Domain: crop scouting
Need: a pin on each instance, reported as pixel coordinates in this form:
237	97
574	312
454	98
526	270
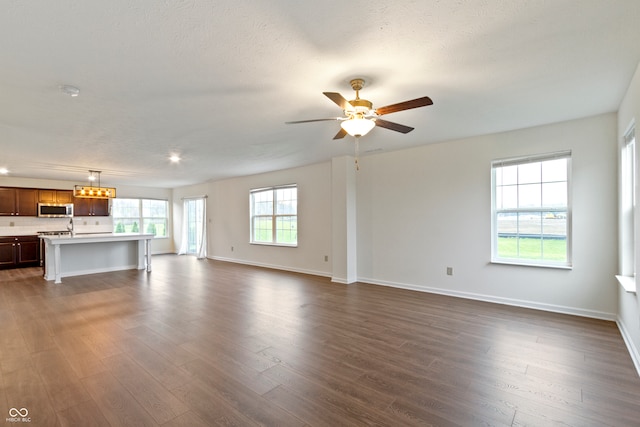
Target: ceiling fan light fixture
360	115
357	126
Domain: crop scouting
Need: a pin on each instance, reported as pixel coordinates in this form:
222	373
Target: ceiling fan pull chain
357	152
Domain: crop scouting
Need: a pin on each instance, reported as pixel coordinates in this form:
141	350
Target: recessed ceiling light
70	90
174	158
4	171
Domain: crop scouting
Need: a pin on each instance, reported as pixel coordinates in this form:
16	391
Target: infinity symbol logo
22	412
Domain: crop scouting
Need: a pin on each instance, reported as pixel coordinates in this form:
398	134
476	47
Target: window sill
281	245
525	264
628	283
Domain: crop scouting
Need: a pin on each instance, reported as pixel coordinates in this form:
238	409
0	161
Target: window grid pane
125	208
154	208
286	201
141	216
274	216
262	229
155	226
286	229
531	208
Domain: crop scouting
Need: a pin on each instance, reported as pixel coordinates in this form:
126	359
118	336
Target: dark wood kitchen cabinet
19	251
90	207
7	252
55	196
18	201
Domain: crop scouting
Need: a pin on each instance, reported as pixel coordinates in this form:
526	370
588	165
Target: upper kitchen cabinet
55	196
7	201
90	207
18	201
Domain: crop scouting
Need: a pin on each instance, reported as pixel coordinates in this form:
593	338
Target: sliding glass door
194	229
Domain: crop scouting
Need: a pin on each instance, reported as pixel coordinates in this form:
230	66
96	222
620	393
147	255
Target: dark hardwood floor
206	343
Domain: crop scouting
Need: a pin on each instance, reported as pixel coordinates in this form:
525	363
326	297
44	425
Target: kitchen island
95	253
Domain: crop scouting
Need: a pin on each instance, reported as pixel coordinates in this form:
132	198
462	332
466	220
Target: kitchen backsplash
20	226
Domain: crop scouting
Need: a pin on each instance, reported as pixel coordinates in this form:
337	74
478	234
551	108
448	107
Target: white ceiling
215	80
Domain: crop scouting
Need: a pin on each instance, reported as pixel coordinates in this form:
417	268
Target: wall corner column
343	221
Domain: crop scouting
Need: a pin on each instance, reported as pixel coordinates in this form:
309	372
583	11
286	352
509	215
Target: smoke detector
70	90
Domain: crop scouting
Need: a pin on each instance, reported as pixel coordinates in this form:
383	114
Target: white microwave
55	210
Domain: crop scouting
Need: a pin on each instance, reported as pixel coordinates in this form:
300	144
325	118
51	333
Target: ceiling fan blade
339	100
340	134
393	126
313	120
406	105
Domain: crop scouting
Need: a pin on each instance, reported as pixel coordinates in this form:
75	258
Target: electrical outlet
326	258
449	271
12	224
97	222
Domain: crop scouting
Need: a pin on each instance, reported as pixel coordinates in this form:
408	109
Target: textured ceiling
215	80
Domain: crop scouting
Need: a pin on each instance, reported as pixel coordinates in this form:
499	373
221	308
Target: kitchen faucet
70	227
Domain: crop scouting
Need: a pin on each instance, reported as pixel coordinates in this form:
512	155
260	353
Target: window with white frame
274	215
628	203
531	218
149	216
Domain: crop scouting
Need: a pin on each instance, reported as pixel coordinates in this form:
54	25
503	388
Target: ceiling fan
360	117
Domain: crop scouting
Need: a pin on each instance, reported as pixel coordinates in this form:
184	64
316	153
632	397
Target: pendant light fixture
92	192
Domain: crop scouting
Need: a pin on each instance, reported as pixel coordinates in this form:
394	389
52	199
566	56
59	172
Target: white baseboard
633	351
498	300
273	266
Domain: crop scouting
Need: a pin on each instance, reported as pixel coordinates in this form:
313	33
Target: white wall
424	209
30	225
228	226
629	303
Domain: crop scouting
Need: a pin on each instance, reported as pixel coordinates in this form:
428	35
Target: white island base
67	256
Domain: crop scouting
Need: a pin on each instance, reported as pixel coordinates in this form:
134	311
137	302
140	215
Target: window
274	215
532	211
141	216
628	203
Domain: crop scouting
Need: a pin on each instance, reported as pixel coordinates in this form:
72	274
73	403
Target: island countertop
95	237
95	253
